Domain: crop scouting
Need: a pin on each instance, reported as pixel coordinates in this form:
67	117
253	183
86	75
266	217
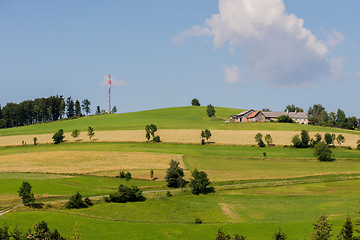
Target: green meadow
167	118
253	195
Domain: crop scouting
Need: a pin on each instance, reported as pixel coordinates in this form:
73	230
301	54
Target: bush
279	235
329	138
88	201
323	152
76	201
58	137
156	139
126	194
198	220
122	174
284	119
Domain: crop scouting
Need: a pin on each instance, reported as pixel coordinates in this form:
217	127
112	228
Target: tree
17	234
151	174
268	139
127	194
58	137
76	201
86	106
77	108
296	141
329	138
26	195
322	229
150	131
4	232
199	182
318	137
205	134
70	107
62	108
75	133
42	231
35	141
323	152
259	141
292	108
305	138
98	111
266	110
346	232
210	110
284	119
358	144
127	176
340	119
90	132
279	235
114	109
174	175
195	102
340	139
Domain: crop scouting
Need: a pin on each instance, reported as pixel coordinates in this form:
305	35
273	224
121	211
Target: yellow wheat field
233	137
85	162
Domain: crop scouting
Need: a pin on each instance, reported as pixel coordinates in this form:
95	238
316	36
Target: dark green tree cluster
40	110
259	140
284	119
126	176
210	111
41	231
323	152
205	134
26	195
126	194
319	116
292	108
175	175
76	201
199	182
195	102
302	140
150	132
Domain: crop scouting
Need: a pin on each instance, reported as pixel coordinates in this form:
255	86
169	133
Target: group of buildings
264	116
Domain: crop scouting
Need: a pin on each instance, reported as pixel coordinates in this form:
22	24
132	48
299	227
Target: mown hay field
220	137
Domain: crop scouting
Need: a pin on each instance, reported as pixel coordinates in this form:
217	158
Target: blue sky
161	53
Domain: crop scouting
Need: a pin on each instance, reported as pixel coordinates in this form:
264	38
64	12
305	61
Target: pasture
288	189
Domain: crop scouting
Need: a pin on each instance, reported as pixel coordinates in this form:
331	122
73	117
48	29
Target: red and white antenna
109	97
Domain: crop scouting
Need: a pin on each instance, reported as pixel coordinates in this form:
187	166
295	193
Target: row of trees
59	136
41	110
319	116
322	231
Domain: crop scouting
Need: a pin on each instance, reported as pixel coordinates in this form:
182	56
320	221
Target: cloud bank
276	45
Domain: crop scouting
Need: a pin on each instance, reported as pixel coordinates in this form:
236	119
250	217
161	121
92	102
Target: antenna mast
109	97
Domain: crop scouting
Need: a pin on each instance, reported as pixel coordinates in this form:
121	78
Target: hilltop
166	118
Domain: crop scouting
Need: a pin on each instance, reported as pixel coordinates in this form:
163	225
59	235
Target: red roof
253	114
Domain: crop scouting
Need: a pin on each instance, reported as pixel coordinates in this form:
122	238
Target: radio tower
109	97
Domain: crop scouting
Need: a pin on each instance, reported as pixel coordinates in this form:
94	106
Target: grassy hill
166	118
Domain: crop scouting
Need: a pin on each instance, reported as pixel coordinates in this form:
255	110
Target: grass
168	118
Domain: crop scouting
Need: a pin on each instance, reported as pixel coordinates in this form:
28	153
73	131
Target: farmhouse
260	116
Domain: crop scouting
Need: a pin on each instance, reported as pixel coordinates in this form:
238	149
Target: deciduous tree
199	182
26	195
210	110
174	175
90	132
195	102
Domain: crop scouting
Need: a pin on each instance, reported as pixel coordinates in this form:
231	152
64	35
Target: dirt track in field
233	137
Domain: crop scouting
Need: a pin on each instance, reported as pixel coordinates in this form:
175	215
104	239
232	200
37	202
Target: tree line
41	110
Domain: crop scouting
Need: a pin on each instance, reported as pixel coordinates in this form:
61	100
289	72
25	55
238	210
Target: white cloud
232	74
276	45
335	38
114	82
337	71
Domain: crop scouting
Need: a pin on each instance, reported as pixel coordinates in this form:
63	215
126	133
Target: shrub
156	139
76	201
126	194
168	194
88	201
203	142
323	152
329	138
122	174
279	235
58	137
198	220
284	119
